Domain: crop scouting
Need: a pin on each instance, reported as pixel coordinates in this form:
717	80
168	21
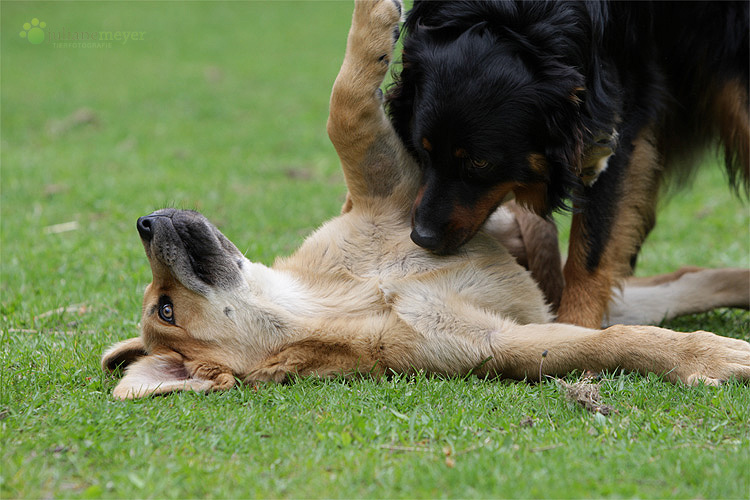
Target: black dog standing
589	104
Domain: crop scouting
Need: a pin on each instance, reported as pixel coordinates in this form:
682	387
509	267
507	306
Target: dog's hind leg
375	162
687	291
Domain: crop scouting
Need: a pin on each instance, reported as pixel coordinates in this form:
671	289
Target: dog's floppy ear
559	95
158	373
122	354
561	99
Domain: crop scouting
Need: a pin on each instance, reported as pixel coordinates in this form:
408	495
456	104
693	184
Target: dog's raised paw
399	6
376	27
379	14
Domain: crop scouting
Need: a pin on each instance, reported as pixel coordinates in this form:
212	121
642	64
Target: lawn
222	107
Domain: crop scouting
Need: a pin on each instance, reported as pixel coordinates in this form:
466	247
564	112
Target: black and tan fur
359	296
590	105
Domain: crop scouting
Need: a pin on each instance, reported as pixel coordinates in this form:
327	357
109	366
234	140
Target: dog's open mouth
196	253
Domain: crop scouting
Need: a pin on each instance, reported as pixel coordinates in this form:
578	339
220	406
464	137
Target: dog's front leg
220	376
556	349
374	160
607	233
455	337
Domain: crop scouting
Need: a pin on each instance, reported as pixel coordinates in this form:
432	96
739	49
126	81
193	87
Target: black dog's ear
399	101
563	95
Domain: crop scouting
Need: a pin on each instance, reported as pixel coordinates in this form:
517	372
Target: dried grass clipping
586	394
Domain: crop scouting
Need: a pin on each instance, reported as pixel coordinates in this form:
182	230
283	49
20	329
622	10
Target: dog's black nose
426	238
145	227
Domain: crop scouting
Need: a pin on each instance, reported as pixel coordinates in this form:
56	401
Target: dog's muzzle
193	249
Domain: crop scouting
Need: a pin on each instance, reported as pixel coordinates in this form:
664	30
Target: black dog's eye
166	312
479	163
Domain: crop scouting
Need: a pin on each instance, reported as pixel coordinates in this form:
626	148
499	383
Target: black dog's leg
607	234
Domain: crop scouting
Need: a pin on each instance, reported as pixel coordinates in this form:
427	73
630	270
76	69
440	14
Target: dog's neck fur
279	287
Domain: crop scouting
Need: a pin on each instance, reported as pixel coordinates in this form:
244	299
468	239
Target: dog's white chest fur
279	287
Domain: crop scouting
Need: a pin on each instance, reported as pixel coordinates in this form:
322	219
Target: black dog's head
489	101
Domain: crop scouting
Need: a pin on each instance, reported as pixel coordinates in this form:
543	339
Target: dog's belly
347	263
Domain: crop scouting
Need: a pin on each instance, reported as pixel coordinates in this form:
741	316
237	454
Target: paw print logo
33	31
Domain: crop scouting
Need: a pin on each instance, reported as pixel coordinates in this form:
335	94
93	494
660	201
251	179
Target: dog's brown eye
166	313
479	163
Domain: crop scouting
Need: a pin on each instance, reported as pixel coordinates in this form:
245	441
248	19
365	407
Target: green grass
222	107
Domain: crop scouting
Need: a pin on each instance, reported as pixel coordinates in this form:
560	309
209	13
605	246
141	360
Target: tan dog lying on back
359	296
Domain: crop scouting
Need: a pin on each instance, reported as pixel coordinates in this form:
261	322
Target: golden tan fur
360	297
